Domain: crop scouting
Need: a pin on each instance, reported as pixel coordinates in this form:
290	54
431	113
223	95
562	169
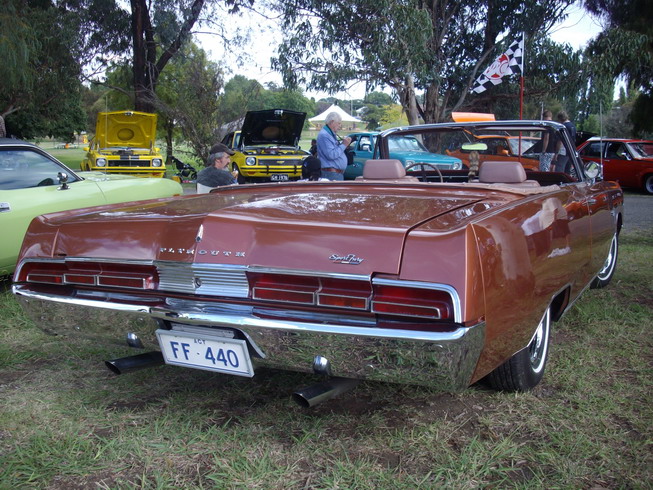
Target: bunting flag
509	63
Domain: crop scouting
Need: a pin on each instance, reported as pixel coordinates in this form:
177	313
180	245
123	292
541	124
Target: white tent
334	108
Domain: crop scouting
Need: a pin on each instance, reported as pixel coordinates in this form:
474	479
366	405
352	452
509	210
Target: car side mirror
592	170
63	181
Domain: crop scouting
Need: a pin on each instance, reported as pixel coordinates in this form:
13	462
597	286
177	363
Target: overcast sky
577	30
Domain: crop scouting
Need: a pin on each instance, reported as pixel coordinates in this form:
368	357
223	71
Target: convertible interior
510	173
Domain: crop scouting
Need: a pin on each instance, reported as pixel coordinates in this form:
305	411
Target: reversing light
250	161
101	162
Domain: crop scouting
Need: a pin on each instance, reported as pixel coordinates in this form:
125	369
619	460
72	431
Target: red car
627	161
440	278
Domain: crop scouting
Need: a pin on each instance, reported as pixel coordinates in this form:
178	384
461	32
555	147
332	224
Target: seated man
215	175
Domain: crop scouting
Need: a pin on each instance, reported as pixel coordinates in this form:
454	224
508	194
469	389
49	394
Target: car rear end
306	279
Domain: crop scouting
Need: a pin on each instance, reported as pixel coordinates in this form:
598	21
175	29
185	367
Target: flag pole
521	78
521	97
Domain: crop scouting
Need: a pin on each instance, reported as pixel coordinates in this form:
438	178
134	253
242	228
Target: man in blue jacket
331	148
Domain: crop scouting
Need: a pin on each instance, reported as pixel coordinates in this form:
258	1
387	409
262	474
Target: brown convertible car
442	278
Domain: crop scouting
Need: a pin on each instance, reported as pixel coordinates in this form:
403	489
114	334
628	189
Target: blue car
405	148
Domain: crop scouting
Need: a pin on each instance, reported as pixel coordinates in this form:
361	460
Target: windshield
526	143
537	148
405	143
642	149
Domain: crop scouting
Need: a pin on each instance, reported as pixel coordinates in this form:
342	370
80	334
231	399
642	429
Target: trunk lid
349	230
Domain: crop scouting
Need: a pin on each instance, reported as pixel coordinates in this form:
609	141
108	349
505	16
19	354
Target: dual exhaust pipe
306	397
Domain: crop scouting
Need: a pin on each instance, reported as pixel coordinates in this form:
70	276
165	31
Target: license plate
279	177
202	351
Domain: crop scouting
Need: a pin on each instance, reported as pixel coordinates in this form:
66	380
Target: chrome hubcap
609	261
540	343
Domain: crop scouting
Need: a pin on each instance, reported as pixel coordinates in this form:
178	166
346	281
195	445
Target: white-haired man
331	149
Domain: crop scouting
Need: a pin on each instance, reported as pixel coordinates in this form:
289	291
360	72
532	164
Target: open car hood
125	129
277	127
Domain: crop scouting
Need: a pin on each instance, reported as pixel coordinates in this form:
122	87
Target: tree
378	99
148	61
154	32
625	49
242	94
39	76
436	46
187	98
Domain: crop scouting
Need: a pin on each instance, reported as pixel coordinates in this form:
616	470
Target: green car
32	183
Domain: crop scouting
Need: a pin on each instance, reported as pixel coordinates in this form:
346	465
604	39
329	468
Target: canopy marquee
334	108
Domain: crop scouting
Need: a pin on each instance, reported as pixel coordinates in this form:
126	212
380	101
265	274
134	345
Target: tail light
392	299
132	276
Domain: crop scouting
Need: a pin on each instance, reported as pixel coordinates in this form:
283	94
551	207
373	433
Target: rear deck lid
339	230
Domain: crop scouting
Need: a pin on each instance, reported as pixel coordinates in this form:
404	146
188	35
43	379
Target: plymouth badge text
346	259
192	251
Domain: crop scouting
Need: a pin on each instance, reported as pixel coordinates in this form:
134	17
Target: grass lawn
67	422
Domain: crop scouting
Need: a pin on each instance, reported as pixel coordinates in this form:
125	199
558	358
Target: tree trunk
408	102
146	67
139	12
168	127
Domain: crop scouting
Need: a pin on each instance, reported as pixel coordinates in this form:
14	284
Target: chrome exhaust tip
321	392
129	364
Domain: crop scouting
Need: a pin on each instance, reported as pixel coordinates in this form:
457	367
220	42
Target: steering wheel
424	171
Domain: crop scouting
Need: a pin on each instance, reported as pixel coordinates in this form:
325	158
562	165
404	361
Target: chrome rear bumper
443	360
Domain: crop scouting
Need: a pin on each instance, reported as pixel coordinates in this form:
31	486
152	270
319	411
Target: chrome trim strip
21	291
300	272
241	320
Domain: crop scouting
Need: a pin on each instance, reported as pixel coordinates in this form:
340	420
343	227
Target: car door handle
5	207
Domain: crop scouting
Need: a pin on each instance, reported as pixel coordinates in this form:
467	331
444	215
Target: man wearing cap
215	175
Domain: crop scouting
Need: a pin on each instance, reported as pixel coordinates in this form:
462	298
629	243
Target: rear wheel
604	276
525	369
648	184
